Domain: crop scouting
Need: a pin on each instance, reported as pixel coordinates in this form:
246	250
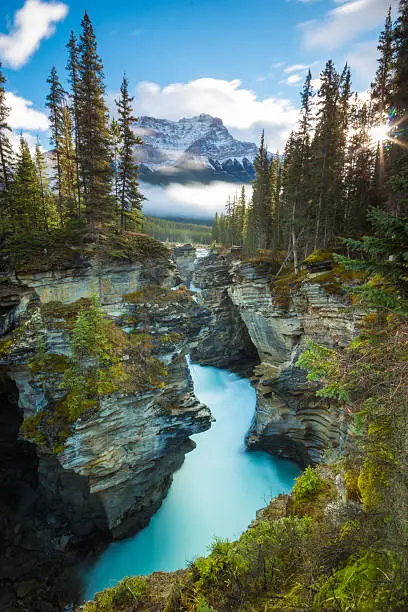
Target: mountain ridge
192	149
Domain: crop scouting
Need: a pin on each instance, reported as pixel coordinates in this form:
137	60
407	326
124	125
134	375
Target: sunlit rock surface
289	420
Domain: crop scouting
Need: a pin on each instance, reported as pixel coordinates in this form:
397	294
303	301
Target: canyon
117	463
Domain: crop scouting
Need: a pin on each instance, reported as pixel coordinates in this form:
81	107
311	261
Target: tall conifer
73	75
55	104
6	152
130	197
93	132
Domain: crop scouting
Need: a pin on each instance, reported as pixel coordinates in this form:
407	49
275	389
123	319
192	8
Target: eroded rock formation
289	421
117	464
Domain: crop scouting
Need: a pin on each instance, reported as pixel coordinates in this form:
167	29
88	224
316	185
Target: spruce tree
45	195
328	153
69	177
93	133
73	75
358	170
261	197
381	88
130	197
55	103
116	141
398	173
27	212
6	152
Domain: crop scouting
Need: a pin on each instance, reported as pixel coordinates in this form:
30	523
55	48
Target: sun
379	133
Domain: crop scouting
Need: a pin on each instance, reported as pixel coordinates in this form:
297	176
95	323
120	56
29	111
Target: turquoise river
215	493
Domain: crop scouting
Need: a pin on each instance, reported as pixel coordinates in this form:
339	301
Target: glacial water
215	493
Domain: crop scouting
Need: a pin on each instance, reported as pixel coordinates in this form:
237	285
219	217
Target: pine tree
358	169
215	229
48	210
73	75
116	142
261	197
328	153
27	212
6	152
55	103
381	88
398	201
93	133
130	197
69	178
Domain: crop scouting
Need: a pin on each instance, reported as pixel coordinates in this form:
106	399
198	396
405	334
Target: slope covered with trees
86	189
349	153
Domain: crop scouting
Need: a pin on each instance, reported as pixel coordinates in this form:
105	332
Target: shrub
367	583
127	594
307	485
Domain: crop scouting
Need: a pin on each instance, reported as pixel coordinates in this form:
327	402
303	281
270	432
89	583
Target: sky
242	61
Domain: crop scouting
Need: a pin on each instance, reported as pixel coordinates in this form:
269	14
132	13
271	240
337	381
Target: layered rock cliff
289	421
116	463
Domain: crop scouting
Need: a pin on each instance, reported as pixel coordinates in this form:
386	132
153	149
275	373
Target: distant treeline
176	231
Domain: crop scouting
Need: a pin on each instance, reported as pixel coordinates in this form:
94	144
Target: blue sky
261	49
239	60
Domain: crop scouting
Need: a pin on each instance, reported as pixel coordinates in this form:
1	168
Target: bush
307	485
367	583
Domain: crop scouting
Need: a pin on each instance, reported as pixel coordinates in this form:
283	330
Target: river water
215	493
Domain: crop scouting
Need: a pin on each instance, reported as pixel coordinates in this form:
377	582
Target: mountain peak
202	141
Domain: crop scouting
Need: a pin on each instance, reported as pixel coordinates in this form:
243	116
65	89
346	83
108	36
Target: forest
88	185
347	156
177	231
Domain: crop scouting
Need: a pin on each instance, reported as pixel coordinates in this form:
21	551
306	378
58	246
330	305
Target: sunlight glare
379	133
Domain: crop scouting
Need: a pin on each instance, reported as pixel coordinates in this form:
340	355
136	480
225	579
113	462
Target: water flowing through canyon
215	493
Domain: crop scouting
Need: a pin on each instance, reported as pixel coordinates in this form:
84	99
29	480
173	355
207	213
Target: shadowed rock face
228	343
289	421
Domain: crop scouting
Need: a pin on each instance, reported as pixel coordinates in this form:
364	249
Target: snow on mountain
192	149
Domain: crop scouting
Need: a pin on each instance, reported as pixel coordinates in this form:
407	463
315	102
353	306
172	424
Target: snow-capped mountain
192	149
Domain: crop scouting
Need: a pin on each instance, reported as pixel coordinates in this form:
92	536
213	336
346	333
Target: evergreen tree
358	169
69	177
73	75
55	103
381	88
48	211
27	211
130	197
116	141
328	153
398	200
215	229
93	132
6	152
261	197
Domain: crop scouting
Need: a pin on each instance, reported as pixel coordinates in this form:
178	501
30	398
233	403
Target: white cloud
345	22
362	59
296	68
193	200
293	79
33	22
29	138
23	117
243	113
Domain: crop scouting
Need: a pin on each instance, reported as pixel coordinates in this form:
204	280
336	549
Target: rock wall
228	343
118	462
289	421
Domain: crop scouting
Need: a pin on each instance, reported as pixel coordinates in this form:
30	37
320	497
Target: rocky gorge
116	463
253	320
